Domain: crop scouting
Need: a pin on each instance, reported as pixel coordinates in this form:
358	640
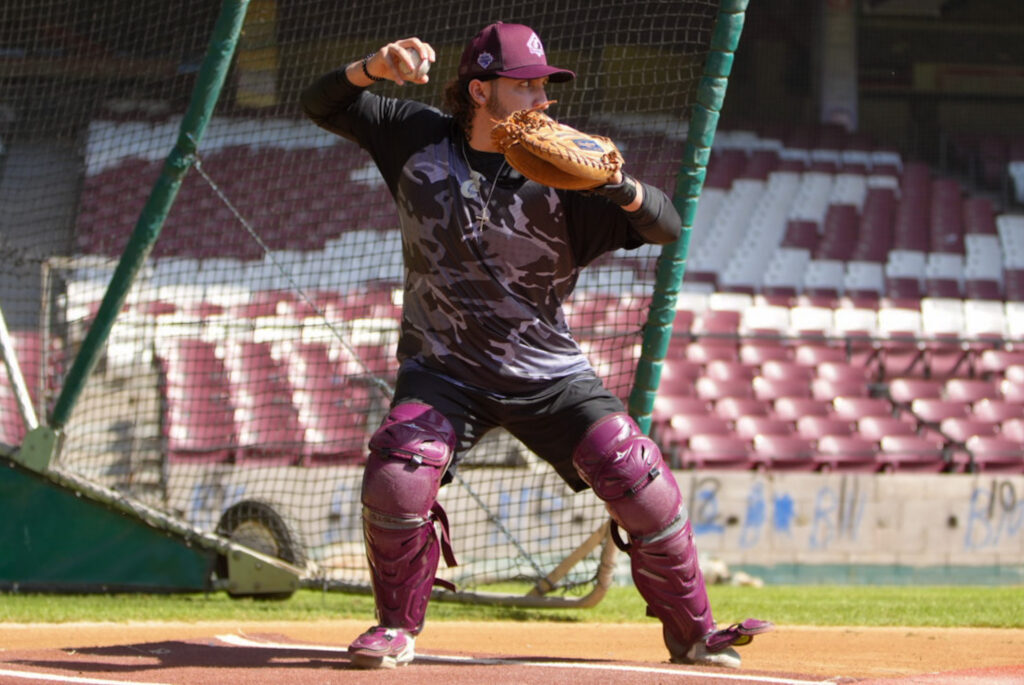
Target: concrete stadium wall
782	527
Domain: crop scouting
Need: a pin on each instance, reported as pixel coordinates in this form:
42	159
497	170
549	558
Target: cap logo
534	45
485	60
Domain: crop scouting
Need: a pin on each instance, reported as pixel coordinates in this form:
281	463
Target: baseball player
489	258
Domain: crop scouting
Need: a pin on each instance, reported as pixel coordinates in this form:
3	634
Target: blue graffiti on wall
756	519
837	514
704	512
994	515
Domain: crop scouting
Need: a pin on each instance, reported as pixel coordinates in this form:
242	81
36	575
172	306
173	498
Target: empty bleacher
843	308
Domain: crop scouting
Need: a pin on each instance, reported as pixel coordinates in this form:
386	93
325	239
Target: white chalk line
52	678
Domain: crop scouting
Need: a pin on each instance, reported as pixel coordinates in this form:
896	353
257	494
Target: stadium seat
775	369
728	371
971	389
946	355
716	451
960	429
715	389
994	362
748	427
700	352
934	410
829	389
914	453
678	377
756	353
681	427
1013	429
667	406
333	400
1013	374
1012	392
732	408
847	453
775	388
877	427
841	371
995	454
856	408
996	409
792	408
816	427
903	391
813	355
784	452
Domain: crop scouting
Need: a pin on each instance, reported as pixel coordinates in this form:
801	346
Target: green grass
997	607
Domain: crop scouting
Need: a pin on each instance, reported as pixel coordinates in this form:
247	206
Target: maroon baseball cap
510	50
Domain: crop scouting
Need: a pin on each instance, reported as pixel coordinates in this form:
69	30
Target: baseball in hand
420	66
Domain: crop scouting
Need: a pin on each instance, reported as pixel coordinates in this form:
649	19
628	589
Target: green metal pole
671	265
205	94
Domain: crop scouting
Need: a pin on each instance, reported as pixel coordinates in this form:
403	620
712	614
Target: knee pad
409	454
625	469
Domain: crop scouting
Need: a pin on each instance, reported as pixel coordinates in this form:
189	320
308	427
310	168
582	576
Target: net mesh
255	351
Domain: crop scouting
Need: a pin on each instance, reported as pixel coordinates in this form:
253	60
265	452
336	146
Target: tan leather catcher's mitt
554	154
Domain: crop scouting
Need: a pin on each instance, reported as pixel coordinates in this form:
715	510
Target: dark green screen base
54	540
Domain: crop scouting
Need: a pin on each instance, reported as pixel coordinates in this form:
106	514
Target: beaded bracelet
367	71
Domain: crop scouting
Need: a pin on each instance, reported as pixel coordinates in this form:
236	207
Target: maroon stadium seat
912	453
715	389
903	391
856	408
732	408
995	454
723	370
960	429
792	408
877	427
717	451
815	427
847	453
971	389
784	452
775	388
995	409
748	427
828	389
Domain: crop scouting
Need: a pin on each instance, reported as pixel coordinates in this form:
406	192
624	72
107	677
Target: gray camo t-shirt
489	257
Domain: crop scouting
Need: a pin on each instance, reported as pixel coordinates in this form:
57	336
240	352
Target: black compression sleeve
657	220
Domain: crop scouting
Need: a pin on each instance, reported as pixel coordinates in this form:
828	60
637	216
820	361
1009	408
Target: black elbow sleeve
657	220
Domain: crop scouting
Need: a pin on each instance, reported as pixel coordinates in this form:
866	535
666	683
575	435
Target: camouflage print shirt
489	257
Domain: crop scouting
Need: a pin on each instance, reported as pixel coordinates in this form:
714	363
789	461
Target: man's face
507	95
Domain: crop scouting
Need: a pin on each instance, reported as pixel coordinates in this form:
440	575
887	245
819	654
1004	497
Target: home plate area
255	659
239	657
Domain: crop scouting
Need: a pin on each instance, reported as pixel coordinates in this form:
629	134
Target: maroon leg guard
626	470
408	455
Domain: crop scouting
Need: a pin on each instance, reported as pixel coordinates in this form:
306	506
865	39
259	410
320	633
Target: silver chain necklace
485	214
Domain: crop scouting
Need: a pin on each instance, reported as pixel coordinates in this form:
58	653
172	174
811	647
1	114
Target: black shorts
550	422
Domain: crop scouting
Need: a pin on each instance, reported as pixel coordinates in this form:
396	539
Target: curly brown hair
459	104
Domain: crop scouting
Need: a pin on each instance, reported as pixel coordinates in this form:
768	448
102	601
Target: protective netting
255	351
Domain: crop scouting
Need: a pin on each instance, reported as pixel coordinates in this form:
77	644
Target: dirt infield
463	652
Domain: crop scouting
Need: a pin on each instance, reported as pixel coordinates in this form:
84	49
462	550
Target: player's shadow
177	654
213	654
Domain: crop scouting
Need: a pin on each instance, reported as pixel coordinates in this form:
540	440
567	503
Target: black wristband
366	71
620	193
